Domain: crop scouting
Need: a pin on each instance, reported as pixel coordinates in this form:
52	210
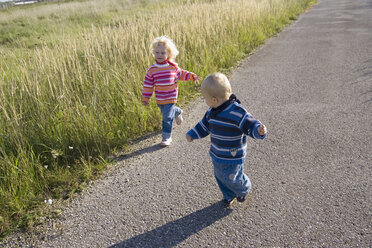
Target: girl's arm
184	75
148	88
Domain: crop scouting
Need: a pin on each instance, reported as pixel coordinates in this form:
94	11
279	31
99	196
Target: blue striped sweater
229	125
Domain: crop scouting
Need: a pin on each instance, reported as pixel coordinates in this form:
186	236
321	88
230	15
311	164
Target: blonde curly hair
169	45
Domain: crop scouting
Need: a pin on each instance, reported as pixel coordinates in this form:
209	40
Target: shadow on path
173	233
141	151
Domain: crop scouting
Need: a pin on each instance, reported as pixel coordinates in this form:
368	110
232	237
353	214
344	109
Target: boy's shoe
227	203
242	198
179	118
166	142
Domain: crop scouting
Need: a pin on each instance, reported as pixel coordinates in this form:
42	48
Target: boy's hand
188	137
145	103
262	130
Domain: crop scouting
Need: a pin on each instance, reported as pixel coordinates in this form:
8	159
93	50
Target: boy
229	124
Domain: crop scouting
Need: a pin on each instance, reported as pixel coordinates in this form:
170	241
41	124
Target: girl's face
160	53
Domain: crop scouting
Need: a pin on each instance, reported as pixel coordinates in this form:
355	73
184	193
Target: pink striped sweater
164	77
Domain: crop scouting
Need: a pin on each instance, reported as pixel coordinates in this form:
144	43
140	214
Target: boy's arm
201	130
148	88
252	127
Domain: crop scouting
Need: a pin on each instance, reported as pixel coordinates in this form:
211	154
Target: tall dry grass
65	108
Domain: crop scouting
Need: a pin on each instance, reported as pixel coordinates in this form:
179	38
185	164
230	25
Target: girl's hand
188	137
262	130
195	78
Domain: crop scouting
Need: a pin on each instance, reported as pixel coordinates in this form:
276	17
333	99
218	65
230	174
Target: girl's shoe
227	203
166	142
179	118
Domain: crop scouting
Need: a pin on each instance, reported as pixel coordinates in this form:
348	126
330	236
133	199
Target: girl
163	76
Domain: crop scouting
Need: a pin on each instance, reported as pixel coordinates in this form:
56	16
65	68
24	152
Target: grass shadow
142	150
175	232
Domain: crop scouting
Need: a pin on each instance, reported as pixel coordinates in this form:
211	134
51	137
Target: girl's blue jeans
169	112
231	180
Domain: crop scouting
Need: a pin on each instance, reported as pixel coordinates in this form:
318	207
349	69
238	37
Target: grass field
71	76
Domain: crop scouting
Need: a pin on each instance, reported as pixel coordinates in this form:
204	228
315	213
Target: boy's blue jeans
231	180
169	112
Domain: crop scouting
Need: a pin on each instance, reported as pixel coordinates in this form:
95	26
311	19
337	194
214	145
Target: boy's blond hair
217	85
169	45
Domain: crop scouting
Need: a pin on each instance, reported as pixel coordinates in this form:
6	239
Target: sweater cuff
192	134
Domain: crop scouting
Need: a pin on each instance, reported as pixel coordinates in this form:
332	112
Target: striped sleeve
184	75
148	87
249	126
201	129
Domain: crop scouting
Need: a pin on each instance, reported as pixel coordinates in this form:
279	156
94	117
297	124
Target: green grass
71	76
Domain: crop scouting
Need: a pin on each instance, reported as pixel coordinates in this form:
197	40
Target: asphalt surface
311	178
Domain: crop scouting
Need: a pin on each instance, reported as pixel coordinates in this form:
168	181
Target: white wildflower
56	153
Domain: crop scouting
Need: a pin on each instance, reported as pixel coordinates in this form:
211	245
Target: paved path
312	87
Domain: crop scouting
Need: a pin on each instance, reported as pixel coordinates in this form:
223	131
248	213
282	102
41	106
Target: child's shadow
173	233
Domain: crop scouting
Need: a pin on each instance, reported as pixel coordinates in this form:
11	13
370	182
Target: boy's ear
215	100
